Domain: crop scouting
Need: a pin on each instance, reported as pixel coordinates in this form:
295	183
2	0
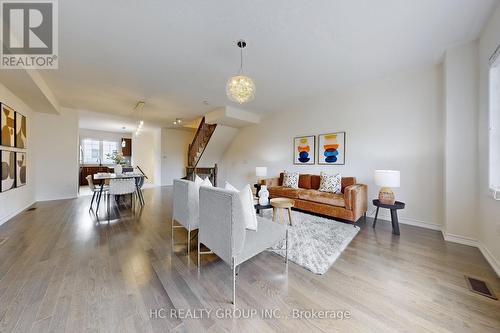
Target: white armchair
222	230
186	208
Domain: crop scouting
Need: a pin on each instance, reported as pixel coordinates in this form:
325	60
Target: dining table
139	181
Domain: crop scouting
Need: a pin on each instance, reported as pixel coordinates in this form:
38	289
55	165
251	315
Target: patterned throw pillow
330	183
290	179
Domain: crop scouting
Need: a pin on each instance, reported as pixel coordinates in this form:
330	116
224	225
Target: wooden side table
279	207
394	213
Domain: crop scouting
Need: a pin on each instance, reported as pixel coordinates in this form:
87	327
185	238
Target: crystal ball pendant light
240	88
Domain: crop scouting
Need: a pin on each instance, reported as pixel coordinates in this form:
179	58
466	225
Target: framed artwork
331	148
20	169
8	162
7	126
304	150
20	131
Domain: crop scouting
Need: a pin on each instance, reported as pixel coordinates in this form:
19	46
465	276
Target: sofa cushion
347	181
286	192
305	181
323	197
315	180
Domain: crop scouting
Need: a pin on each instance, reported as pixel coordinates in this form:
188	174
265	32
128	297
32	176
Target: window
108	147
494	118
94	151
91	151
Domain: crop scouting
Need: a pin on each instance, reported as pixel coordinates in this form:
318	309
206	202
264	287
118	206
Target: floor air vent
479	287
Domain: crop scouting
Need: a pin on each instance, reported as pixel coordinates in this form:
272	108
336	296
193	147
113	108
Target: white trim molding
17	212
494	263
409	221
460	239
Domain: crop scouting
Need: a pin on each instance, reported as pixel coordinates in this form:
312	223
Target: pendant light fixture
124	144
240	88
140	115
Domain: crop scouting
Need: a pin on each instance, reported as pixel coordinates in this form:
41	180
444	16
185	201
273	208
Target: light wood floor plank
64	270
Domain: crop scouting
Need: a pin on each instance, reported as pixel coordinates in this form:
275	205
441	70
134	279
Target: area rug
315	242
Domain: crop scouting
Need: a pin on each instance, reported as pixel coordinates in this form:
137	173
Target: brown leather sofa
350	205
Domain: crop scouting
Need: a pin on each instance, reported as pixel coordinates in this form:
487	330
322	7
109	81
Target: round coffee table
279	207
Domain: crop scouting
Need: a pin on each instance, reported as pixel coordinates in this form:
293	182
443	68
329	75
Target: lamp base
386	196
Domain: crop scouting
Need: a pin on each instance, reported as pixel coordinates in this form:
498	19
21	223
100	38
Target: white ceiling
176	54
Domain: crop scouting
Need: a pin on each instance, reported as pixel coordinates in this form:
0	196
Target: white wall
392	123
143	154
55	141
461	167
489	209
14	201
175	143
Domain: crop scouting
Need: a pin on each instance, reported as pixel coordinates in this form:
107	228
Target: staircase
200	141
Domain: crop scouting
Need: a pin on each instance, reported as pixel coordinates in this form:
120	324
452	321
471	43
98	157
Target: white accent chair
96	191
122	187
223	230
186	208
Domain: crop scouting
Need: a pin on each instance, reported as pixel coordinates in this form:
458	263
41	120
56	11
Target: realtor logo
29	34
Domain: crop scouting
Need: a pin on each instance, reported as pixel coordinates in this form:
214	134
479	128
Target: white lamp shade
387	178
261	171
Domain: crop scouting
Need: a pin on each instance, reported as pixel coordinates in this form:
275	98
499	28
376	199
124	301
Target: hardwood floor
62	271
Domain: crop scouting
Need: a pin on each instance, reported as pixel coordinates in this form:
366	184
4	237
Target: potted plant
119	161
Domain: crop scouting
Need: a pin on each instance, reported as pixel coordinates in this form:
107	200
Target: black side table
394	213
259	208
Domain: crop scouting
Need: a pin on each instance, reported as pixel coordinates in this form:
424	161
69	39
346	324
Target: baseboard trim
460	239
408	221
15	213
490	258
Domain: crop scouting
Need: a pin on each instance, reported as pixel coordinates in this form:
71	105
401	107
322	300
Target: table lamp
260	172
387	179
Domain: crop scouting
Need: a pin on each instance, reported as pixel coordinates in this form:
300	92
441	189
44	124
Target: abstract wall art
331	148
7	126
304	150
8	162
21	131
20	169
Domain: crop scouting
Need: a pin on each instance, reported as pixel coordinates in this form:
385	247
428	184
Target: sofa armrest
356	199
270	181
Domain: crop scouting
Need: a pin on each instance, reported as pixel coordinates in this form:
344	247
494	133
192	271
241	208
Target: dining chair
96	190
121	187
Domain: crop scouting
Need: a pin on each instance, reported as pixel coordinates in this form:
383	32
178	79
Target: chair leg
234	281
286	247
189	240
92	201
107	202
172	233
199	254
290	216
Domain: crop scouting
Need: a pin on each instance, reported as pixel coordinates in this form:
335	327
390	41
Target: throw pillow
198	180
206	182
248	209
247	206
330	183
230	187
290	179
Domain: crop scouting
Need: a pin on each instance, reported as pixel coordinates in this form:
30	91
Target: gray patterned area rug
315	242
